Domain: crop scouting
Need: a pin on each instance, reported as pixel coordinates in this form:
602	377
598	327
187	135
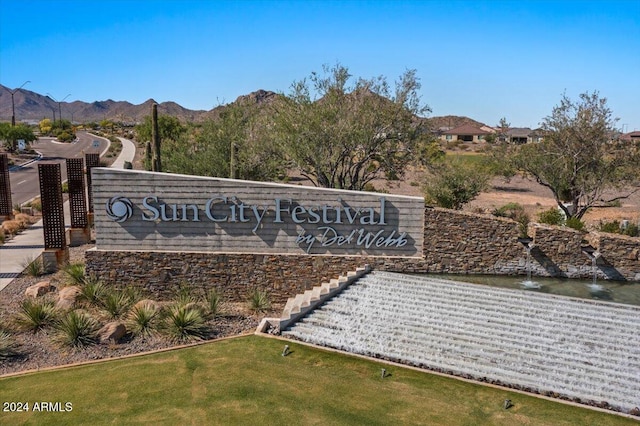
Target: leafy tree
238	129
345	136
11	134
169	127
579	160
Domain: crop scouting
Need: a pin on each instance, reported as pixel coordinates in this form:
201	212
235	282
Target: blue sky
481	59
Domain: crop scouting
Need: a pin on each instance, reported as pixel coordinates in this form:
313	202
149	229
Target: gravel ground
38	350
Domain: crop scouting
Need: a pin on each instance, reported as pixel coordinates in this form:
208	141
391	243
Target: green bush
575	223
77	329
552	216
632	230
516	212
36	314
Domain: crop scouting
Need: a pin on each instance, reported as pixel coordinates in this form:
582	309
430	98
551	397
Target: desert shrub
184	322
11	227
23	219
36	204
575	223
33	267
142	320
213	299
74	273
552	216
516	212
36	314
259	300
76	329
8	347
632	230
612	227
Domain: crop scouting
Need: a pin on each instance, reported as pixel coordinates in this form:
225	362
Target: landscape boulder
39	289
67	297
112	332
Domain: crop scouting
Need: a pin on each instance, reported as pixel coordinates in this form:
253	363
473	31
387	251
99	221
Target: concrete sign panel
150	211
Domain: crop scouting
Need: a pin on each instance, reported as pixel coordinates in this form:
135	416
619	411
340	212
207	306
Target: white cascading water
579	349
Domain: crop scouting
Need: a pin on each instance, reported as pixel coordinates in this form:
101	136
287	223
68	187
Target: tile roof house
631	136
465	133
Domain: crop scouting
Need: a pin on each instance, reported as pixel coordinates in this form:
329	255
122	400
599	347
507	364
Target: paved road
24	180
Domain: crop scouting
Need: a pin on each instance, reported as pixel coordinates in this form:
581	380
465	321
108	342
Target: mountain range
32	107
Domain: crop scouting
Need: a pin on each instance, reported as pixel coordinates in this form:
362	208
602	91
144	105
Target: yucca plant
8	347
33	266
75	273
116	302
184	323
142	320
77	329
92	291
259	300
36	314
185	295
213	299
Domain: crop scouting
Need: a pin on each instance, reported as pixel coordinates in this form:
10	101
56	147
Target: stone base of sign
53	259
78	236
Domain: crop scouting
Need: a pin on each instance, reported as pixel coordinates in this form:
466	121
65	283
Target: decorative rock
112	332
36	290
635	411
67	297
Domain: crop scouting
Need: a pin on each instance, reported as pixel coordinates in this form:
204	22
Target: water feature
528	246
581	349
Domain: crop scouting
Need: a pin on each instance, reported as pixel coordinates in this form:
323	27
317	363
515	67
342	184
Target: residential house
465	133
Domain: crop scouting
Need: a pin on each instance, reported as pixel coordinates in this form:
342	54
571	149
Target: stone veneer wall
454	242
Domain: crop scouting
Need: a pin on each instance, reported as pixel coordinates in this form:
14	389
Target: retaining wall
454	242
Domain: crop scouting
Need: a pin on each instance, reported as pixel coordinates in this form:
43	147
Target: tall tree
580	159
344	136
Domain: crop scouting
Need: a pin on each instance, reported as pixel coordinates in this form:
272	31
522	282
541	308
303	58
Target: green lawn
247	381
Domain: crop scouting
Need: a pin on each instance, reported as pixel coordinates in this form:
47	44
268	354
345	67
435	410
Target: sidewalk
29	243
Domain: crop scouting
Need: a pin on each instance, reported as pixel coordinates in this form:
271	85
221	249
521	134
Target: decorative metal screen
92	160
77	198
5	187
52	206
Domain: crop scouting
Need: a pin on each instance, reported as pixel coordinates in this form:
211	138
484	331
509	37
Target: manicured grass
247	381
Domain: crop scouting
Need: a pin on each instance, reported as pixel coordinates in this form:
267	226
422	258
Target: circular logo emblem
119	209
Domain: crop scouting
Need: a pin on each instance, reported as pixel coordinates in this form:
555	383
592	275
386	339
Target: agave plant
77	329
36	314
184	322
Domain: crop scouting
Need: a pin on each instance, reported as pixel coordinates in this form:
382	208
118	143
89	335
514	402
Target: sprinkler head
285	351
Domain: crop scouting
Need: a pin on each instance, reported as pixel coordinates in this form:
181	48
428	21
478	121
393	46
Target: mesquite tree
344	136
580	158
